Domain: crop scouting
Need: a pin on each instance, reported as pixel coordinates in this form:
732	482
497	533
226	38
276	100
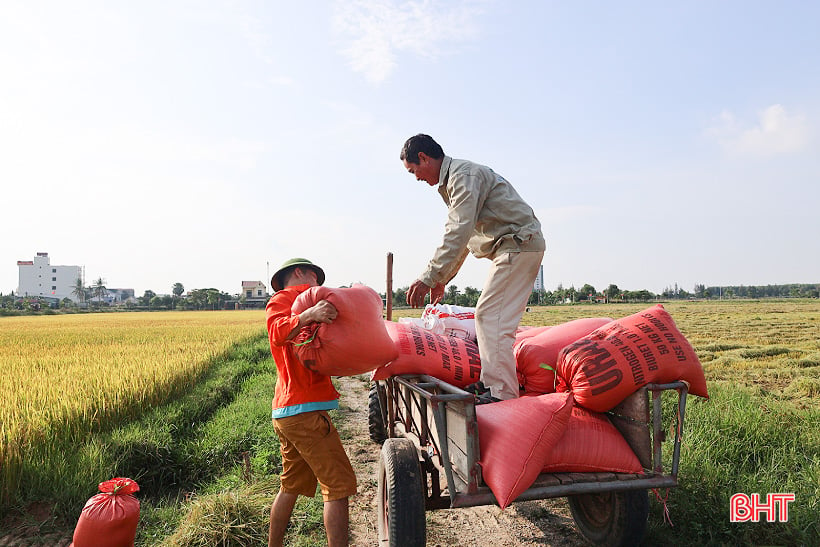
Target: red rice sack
522	333
537	356
612	362
591	443
448	358
515	438
109	519
354	343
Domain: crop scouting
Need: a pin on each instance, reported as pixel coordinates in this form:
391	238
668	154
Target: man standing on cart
486	217
311	448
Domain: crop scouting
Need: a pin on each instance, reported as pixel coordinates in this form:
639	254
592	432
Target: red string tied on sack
119	485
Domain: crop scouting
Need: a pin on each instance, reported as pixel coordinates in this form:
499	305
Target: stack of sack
570	375
579	379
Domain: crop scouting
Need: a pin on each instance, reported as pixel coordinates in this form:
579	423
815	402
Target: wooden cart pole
389	294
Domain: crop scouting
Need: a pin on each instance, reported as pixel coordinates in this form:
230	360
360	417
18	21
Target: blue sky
207	142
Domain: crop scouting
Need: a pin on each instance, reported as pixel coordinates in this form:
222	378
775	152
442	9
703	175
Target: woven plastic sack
515	438
591	443
109	519
612	362
448	358
536	357
450	320
354	343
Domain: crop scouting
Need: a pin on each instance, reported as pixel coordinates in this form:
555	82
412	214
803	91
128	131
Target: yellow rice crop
64	374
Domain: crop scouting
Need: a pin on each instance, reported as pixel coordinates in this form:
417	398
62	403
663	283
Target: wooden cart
430	454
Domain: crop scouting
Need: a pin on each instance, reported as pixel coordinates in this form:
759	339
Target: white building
39	278
255	293
539	279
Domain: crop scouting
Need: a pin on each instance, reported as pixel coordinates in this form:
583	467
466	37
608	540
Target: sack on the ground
109	519
448	358
515	438
450	320
591	443
536	357
612	362
354	343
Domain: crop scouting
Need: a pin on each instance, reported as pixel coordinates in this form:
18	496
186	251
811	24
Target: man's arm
321	312
465	202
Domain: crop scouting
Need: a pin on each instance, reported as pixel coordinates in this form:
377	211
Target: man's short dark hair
420	143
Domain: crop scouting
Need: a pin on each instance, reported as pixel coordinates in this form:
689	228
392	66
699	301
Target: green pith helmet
277	281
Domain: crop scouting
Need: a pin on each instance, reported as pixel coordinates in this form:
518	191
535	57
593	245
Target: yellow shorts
312	452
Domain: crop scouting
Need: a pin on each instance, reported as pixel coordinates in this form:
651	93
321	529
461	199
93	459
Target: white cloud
776	132
375	31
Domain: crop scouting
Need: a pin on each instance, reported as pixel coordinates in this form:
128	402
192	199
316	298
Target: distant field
64	376
773	346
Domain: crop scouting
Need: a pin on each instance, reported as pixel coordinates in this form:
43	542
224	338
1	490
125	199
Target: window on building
53	288
53	270
249	294
54	279
258	292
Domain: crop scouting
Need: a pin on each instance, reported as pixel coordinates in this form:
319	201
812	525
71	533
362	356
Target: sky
206	142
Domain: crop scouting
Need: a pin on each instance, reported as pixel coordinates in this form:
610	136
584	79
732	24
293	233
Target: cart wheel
375	417
401	499
611	518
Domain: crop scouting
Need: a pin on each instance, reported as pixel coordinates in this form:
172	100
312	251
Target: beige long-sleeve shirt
486	217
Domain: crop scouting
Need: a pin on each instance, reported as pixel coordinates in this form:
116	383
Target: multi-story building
255	293
39	278
538	285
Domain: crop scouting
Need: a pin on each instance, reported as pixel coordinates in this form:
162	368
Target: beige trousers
498	312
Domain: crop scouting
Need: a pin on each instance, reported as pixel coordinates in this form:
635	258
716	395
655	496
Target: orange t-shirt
298	389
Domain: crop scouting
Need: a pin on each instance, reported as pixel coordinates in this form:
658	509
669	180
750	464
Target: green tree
99	290
612	292
587	292
451	296
400	297
145	299
471	296
213	298
79	290
177	291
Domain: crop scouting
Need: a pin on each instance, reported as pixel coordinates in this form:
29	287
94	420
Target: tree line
94	295
612	293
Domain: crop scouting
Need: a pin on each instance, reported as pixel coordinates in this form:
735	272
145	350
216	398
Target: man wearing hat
312	451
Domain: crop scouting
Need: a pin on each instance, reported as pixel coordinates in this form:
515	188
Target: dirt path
545	522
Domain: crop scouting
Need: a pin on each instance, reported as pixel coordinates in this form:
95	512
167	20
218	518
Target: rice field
770	345
66	376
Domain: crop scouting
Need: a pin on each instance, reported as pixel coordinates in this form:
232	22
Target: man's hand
418	290
321	312
437	294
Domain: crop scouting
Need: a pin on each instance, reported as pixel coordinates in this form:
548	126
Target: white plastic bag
450	320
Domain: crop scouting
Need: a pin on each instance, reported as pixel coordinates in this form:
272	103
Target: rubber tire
611	519
375	418
401	499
